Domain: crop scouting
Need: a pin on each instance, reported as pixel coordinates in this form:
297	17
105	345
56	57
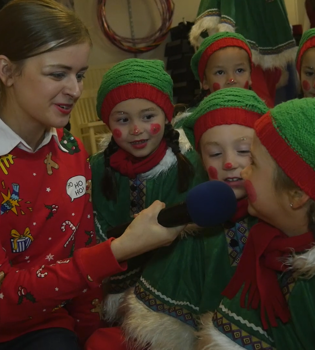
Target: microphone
208	204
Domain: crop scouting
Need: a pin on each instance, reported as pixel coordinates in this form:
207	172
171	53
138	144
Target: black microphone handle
176	215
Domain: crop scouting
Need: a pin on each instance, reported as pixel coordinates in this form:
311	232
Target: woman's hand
144	234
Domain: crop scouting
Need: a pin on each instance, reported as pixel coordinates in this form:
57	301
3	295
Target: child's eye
148	116
219	72
216	154
246	152
123	120
309	74
240	70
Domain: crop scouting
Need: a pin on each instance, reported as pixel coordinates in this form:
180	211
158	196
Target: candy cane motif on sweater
40	274
73	228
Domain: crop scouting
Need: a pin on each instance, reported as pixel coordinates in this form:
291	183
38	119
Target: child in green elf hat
145	159
305	63
223	60
174	280
267	300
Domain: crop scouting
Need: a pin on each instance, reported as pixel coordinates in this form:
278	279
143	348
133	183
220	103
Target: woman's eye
58	76
80	77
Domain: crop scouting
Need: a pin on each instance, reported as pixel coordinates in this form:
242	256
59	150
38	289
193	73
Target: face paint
246	86
306	85
216	87
228	166
213	173
231	81
251	193
117	133
136	130
155	129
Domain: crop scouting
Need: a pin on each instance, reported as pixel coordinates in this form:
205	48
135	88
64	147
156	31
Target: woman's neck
29	130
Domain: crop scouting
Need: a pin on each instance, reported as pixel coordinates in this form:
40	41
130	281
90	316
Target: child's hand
144	234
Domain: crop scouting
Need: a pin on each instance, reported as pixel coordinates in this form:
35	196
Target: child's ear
6	71
297	198
205	84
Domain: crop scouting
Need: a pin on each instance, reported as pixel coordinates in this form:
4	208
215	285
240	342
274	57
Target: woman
46	214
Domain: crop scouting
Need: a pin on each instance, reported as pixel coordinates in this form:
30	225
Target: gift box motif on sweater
20	242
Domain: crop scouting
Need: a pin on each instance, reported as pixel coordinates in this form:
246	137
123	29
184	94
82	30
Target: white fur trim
104	141
272	61
111	305
162	332
205	24
181	116
176	302
209	338
303	265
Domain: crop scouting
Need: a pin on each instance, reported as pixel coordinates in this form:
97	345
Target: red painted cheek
306	85
117	133
228	166
155	129
246	86
216	87
213	173
251	193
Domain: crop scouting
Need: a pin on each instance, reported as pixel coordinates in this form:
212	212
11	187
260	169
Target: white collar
9	140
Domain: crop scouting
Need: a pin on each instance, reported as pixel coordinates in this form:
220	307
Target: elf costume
175	280
139	183
46	216
200	59
264	24
275	308
307	42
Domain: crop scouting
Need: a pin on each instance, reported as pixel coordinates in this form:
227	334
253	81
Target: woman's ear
6	71
297	198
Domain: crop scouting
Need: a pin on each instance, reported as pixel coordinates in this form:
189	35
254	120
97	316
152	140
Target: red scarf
263	256
130	166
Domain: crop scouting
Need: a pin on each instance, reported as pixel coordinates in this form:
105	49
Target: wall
297	13
146	20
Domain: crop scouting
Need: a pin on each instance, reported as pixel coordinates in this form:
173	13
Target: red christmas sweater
46	217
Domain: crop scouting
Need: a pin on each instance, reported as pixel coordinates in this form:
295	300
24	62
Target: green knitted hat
307	42
224	107
212	44
135	78
288	133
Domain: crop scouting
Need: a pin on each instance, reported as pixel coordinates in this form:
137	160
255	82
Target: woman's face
46	90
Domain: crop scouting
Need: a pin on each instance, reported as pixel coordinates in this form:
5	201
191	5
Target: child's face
137	126
228	67
225	151
264	201
308	73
